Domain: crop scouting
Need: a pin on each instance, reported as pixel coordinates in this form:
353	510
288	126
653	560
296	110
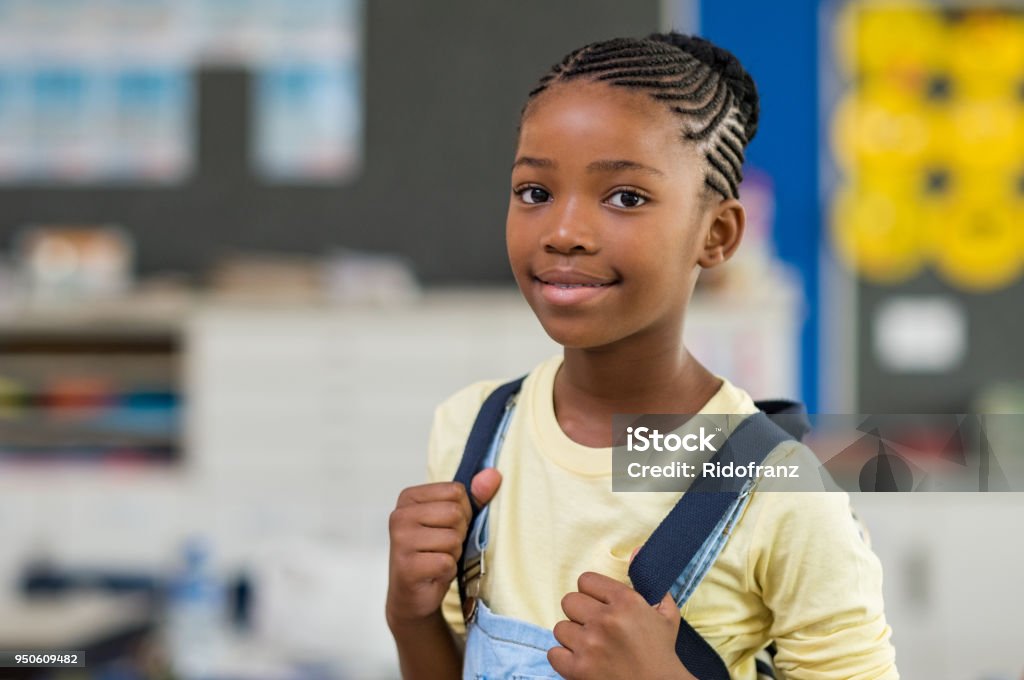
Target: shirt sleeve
823	586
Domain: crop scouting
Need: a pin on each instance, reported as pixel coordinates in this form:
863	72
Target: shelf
89	390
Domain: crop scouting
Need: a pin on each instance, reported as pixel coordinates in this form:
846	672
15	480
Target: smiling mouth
568	290
567	286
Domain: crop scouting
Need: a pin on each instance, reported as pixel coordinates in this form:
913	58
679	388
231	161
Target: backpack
679	536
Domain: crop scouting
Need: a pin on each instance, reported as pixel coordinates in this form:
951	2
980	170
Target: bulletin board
924	178
96	92
441	90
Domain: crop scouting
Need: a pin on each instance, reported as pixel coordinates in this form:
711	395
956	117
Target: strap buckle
475	569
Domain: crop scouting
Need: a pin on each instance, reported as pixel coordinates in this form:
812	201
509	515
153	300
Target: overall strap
477	445
690	523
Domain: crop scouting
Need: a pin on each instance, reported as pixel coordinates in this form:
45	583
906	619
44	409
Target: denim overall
502	647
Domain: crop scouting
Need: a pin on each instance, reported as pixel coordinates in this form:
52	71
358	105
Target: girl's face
606	222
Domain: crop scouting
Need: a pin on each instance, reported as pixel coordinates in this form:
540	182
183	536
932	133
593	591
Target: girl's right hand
427	528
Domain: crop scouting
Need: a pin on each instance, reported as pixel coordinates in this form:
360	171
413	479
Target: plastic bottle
195	616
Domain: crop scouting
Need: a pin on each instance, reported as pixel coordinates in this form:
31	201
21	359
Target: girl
624	187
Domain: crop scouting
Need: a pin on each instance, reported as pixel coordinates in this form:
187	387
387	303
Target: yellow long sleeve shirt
795	569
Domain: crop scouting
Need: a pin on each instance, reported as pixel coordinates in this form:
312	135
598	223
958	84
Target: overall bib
499	647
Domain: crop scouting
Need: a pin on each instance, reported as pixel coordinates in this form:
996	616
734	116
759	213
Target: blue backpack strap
477	445
484	427
683	532
791	416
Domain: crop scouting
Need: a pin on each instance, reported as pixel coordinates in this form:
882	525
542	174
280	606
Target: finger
484	485
431	493
569	634
429	566
580	607
668	608
562	660
600	587
438	515
439	540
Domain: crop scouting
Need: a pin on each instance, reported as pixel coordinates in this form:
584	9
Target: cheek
510	235
661	266
517	247
652	255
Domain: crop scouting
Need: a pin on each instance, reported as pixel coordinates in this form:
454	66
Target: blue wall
779	49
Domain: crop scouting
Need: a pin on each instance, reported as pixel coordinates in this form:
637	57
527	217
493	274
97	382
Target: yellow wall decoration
877	230
929	139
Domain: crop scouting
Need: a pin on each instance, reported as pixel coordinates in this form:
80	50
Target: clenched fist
611	632
428	527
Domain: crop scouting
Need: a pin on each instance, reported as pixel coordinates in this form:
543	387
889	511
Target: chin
570	328
575	333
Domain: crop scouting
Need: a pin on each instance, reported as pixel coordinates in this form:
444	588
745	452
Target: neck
646	375
622	377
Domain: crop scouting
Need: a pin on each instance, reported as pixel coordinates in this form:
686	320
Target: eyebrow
596	166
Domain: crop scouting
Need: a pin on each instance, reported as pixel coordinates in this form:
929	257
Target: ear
724	233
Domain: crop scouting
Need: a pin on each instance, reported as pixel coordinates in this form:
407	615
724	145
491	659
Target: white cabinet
304	422
953	590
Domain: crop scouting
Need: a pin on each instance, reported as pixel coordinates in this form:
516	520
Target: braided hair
702	83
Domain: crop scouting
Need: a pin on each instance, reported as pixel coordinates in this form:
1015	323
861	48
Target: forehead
593	119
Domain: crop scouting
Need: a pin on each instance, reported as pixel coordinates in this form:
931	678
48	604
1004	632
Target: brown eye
533	195
627	199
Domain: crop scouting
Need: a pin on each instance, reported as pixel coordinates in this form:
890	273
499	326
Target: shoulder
807	502
453	419
458	410
730	399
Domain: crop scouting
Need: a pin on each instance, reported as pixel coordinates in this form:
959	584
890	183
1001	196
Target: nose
571	229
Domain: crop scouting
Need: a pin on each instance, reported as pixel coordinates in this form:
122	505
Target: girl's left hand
613	633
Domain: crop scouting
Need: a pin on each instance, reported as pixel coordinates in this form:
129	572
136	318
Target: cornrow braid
698	81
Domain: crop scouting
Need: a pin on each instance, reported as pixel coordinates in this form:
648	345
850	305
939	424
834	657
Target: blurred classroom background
247	245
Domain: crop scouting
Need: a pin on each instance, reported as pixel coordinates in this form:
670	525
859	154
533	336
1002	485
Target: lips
573	278
570	287
574	285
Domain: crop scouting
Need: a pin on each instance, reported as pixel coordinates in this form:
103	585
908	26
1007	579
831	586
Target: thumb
667	608
484	485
